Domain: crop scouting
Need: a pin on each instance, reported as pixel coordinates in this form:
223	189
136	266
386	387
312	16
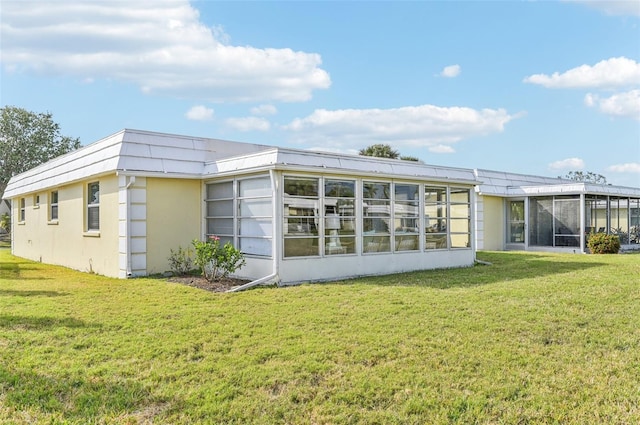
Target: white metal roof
156	154
499	183
301	160
132	151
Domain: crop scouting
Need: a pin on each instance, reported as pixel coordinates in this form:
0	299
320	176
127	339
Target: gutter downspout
132	180
254	283
274	242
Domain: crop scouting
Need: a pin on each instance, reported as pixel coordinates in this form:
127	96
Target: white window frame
53	205
93	204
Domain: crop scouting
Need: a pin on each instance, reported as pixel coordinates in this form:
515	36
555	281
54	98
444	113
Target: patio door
515	224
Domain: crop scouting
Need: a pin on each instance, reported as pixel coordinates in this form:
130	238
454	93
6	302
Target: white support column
583	227
132	228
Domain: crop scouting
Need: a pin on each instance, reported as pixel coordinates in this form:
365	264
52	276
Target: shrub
5	222
602	243
180	261
215	261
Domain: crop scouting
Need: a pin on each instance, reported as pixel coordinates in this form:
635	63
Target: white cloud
264	110
199	113
630	167
567	164
614	72
441	149
613	7
621	104
426	126
451	71
248	124
161	46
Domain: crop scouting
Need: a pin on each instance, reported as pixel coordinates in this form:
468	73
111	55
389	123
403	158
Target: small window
22	212
93	206
36	201
53	206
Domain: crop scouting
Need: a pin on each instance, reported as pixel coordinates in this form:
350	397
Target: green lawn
533	338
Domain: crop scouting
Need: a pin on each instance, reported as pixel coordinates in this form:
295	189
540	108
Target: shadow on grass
78	399
38	323
16	293
504	267
13	270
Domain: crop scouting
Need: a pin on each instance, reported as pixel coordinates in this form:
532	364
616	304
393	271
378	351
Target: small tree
216	261
587	177
28	139
380	150
5	222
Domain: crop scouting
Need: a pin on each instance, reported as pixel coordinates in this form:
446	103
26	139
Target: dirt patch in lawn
222	285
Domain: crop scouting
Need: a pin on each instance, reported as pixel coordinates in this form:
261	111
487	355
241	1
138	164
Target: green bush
180	261
215	261
5	222
602	243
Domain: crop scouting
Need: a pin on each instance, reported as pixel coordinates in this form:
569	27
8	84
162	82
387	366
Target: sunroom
554	214
311	216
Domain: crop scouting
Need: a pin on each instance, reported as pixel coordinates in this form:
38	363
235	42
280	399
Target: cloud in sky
199	113
621	104
613	7
451	71
248	124
161	46
629	167
432	127
567	164
263	110
613	72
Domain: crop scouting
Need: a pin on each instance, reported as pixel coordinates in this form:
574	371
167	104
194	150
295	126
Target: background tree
587	177
28	139
381	150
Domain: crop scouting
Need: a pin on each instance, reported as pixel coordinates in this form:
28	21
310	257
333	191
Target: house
516	211
118	206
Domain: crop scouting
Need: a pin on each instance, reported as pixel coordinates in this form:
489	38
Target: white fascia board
257	160
95	159
319	162
573	189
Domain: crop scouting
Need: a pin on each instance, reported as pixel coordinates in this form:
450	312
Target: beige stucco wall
493	223
174	218
66	241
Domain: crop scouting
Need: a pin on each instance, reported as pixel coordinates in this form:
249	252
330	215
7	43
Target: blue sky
536	87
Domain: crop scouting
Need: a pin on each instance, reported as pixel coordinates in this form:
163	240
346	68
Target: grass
533	338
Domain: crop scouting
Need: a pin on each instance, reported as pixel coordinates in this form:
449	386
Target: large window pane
254	188
339	217
255	227
301	247
376	244
301	186
260	207
406	223
255	246
460	218
567	221
541	221
339	188
435	217
302	216
220	226
220	190
220	208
